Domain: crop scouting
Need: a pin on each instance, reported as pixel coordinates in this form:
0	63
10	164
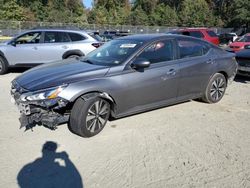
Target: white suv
45	45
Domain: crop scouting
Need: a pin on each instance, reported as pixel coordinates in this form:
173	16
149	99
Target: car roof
147	37
194	29
60	30
152	37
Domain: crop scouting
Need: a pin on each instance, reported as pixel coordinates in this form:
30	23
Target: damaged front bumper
48	112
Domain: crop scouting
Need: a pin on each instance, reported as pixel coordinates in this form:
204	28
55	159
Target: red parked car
240	43
203	33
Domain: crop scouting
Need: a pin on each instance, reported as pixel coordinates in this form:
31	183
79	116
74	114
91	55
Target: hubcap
218	89
97	116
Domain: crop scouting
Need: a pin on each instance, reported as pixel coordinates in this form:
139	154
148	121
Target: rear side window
211	33
192	48
196	34
76	37
56	37
159	52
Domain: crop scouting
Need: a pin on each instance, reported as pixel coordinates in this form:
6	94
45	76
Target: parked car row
202	33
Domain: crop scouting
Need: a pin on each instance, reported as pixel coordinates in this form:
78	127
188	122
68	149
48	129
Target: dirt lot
187	145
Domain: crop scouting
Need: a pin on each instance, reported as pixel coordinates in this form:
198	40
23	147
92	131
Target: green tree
98	15
148	6
242	13
164	15
12	11
109	12
39	10
195	13
138	17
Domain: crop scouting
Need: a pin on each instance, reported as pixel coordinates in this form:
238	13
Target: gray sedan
125	76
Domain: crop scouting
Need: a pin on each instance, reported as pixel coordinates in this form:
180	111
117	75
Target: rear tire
3	66
89	117
215	89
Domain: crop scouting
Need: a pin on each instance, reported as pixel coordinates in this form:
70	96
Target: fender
97	94
72	52
103	95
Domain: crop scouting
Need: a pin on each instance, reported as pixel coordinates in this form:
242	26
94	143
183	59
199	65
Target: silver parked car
44	45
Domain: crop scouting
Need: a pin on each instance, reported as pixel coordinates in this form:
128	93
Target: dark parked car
227	38
243	59
111	35
125	76
202	33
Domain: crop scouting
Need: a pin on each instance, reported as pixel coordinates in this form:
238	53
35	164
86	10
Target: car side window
76	37
190	48
29	38
56	37
196	34
157	52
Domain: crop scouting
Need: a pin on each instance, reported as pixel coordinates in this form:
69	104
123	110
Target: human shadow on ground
47	172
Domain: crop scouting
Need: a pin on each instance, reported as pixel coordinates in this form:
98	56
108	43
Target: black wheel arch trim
104	95
72	52
3	56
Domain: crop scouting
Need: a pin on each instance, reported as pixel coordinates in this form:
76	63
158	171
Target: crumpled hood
59	73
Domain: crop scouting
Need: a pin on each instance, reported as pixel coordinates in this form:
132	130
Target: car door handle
171	72
65	47
210	61
34	48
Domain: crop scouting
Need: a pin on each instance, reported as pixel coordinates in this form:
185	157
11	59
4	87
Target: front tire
3	66
215	89
89	117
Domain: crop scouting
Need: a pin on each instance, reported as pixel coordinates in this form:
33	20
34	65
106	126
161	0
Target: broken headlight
50	93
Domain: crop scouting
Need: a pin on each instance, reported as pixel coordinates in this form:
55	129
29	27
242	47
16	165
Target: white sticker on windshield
128	46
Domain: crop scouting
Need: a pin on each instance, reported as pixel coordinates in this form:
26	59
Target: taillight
97	45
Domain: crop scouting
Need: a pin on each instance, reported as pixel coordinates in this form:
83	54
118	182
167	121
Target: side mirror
247	46
13	43
140	64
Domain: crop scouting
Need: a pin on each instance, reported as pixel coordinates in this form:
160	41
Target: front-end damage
46	112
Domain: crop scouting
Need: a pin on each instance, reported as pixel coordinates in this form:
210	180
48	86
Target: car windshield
244	39
96	37
113	53
211	33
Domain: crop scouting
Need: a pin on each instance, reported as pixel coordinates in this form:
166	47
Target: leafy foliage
135	12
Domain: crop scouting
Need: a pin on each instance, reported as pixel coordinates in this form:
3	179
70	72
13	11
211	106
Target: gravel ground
187	145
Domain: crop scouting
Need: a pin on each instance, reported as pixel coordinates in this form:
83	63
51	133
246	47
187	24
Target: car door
196	66
54	45
24	49
154	85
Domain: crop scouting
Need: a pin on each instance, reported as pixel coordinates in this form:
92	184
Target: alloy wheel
97	115
217	89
